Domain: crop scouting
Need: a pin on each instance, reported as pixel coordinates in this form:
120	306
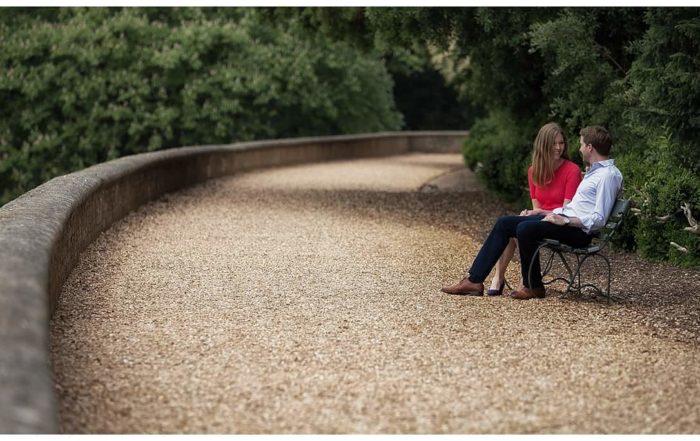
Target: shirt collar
601	164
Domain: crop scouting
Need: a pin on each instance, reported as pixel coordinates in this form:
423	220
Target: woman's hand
533	212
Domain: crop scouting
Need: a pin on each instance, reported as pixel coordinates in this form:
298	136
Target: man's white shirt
595	196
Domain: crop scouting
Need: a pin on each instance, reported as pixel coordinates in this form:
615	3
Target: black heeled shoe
496	292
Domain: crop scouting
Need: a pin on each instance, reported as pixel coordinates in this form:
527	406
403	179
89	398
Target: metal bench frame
600	241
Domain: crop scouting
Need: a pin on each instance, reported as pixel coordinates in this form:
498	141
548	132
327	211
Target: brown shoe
465	288
528	293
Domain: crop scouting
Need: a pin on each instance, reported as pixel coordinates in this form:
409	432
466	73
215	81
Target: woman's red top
563	186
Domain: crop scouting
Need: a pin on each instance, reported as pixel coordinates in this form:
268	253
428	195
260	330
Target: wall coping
43	232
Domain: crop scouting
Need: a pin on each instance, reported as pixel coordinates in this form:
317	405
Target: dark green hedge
81	86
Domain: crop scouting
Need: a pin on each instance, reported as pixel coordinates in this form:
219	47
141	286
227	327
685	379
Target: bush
660	185
499	152
81	86
661	145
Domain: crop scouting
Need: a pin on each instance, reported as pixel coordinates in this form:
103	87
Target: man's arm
606	194
558	219
538	210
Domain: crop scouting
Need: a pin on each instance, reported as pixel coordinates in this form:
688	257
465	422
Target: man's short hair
598	137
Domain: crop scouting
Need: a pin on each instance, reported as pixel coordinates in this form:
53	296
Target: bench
549	248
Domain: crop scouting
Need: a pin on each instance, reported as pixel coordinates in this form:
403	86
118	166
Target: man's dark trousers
529	230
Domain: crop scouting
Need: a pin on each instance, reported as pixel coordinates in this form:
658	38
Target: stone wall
43	232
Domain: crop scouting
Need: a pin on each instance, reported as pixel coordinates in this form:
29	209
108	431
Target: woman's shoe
496	292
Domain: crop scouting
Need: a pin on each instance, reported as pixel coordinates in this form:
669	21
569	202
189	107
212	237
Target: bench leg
598	291
573	282
548	266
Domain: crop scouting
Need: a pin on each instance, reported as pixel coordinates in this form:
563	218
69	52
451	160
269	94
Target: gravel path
306	299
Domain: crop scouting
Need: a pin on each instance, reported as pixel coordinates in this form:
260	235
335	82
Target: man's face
585	150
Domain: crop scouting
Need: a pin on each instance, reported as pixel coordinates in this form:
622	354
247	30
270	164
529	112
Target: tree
81	86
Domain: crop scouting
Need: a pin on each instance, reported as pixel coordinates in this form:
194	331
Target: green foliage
404	26
422	93
499	152
634	70
659	184
583	68
660	153
81	86
338	24
494	66
664	81
503	73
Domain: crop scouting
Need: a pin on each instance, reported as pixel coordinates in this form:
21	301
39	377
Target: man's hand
555	219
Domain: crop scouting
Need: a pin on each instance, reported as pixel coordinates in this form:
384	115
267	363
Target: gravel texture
307	299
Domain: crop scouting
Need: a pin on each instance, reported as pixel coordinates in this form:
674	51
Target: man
572	225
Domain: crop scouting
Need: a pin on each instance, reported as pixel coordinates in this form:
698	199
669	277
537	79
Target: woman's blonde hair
542	163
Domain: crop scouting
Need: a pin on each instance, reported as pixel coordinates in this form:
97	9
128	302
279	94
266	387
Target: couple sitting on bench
573	223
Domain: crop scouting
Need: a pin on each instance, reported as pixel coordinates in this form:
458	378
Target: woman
553	180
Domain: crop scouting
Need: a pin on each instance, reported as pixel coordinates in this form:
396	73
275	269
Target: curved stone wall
43	232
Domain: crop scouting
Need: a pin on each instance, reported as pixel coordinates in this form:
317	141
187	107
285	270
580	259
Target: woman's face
558	147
